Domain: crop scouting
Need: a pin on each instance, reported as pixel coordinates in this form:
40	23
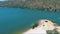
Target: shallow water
15	19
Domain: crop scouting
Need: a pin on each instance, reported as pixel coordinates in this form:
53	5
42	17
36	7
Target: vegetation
52	5
52	32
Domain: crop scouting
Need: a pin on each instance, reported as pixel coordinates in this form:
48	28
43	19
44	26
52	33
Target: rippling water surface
14	19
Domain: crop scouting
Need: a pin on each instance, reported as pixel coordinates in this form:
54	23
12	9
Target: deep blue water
14	19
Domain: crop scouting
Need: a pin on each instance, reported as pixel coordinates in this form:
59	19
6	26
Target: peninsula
44	27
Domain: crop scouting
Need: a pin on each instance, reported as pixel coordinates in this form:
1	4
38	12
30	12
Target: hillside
33	4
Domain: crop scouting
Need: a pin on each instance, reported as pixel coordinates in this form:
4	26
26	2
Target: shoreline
40	9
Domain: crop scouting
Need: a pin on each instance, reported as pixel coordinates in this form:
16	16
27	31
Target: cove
14	19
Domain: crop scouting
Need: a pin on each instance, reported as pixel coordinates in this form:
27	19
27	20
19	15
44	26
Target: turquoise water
14	19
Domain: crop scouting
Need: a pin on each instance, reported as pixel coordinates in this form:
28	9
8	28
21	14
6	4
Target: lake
15	19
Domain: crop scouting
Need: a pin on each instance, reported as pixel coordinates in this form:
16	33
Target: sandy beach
43	27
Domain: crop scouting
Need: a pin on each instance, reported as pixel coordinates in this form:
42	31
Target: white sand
40	29
37	30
